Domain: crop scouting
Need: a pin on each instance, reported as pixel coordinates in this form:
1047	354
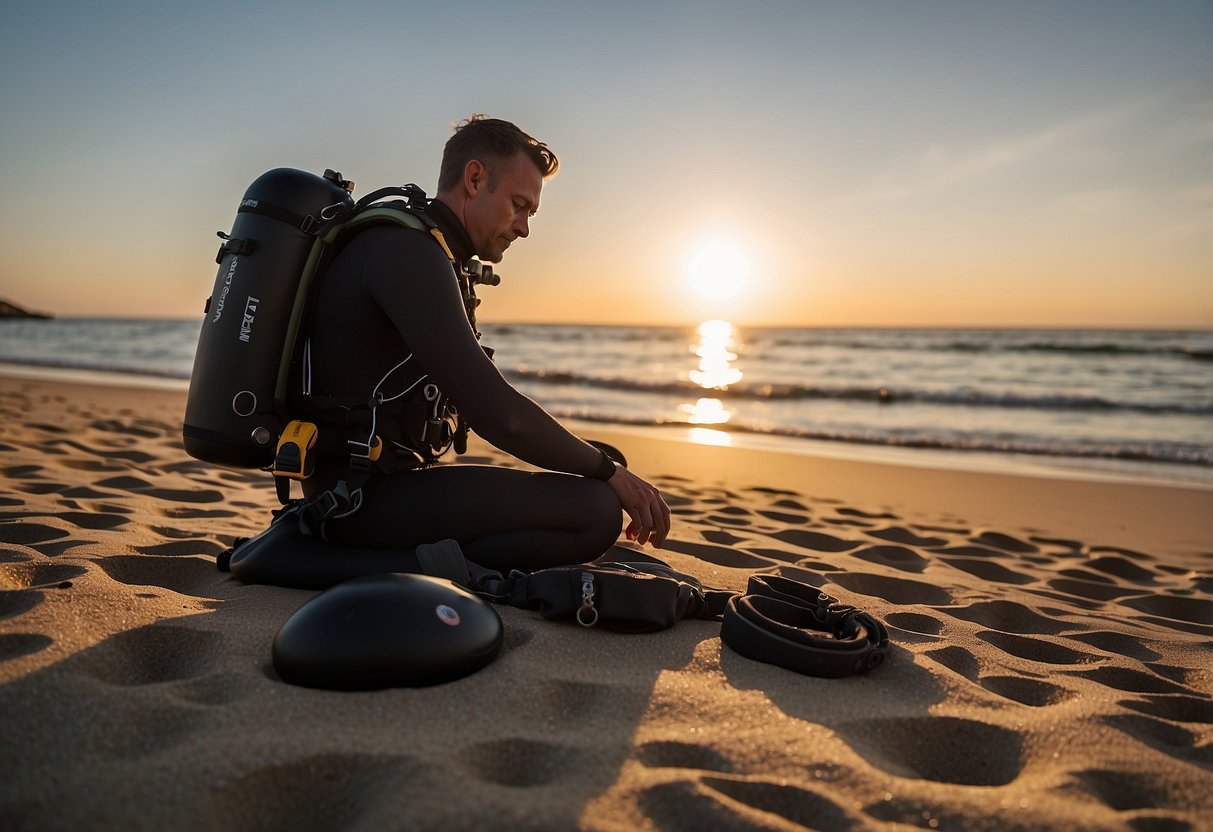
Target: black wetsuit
390	293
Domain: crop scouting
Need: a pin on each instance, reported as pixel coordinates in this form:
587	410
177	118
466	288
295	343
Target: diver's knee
605	513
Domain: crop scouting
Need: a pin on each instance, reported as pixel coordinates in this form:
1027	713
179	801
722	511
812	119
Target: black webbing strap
798	627
266	209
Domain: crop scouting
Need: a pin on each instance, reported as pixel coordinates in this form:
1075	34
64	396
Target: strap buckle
362	454
293	458
339	501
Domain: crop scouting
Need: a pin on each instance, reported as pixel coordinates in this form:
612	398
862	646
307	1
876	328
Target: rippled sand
1050	668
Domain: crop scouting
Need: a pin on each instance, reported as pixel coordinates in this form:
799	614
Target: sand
1050	667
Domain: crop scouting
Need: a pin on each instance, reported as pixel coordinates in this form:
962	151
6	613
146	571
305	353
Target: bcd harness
418	429
251	402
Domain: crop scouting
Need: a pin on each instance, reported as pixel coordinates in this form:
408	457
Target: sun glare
719	271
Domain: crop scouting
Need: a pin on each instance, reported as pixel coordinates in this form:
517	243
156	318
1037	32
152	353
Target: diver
390	313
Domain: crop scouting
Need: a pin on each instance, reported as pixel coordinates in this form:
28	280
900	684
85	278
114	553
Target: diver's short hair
492	141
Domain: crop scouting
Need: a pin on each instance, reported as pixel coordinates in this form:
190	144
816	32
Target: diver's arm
425	305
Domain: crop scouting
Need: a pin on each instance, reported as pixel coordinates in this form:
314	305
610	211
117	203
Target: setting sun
719	271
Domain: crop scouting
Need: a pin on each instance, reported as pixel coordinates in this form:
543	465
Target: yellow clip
376	449
293	459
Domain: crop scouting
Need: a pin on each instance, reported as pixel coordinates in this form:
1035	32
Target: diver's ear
475	177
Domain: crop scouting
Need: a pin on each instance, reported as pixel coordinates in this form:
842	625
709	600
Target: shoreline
1100	470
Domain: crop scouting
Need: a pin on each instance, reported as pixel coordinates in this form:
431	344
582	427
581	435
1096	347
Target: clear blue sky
1018	163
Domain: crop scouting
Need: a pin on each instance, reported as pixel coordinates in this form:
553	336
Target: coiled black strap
798	627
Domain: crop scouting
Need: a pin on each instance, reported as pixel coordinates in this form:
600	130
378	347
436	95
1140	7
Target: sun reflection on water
715	356
715	372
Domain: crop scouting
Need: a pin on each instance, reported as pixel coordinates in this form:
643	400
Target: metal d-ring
587	616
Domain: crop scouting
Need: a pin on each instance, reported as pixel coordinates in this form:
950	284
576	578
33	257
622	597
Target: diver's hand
644	504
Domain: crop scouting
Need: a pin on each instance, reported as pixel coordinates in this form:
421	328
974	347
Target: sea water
1125	399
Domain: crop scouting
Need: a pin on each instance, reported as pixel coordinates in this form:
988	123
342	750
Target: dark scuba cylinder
231	417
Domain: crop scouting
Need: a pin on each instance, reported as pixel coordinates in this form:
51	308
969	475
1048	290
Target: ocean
1119	401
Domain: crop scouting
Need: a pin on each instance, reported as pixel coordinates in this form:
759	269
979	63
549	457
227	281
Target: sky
864	163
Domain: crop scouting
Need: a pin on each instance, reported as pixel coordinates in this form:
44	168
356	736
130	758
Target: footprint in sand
844	521
575	703
913	622
998	540
1031	692
18	576
957	659
1091	590
722	537
115	426
21	584
16	602
46	540
1171	740
93	520
763	489
1036	649
221	688
19	472
988	571
938	748
728	520
334	790
16	645
1175	707
867	515
943	529
1122	568
1118	643
816	541
719	555
515	637
1117	550
28	533
91	465
897	534
784	517
1061	542
784	556
141	486
727	803
897	557
968	552
187	513
1181	608
896	590
1132	681
519	762
1126	791
188	576
183	547
150	655
1008	616
135	730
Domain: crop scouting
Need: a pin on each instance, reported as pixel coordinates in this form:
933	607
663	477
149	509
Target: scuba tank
234	414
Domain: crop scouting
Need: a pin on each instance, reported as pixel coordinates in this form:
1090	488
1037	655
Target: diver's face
497	217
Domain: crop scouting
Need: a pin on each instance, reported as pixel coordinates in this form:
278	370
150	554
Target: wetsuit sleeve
411	280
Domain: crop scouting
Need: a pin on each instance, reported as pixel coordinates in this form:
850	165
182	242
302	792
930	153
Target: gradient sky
899	163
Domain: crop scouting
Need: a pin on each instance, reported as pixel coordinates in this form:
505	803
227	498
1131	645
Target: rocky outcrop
12	310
